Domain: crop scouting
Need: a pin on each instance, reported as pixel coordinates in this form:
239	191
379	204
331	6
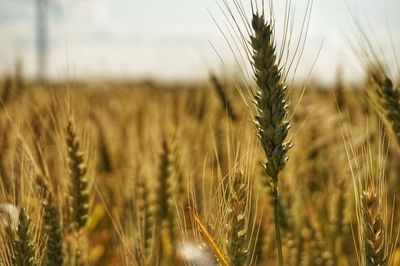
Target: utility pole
41	40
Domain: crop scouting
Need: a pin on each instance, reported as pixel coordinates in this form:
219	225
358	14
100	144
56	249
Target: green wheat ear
23	248
77	171
270	101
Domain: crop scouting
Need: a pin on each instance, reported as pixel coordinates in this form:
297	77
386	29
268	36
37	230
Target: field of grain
213	172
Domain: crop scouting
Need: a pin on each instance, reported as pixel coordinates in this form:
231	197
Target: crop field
222	171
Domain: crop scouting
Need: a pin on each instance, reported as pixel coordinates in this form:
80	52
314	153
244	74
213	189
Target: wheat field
213	172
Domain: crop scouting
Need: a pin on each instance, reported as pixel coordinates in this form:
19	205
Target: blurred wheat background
199	133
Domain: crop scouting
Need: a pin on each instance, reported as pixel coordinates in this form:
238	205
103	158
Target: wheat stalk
207	236
271	110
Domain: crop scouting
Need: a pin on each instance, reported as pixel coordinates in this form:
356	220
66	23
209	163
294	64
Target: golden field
215	172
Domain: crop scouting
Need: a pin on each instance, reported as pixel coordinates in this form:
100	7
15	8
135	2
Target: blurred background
174	40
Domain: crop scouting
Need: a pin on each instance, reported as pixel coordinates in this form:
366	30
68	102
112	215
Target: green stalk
277	227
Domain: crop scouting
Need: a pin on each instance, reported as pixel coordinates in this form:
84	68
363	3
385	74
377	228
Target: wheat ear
271	110
23	248
389	99
77	171
51	218
374	236
237	227
226	102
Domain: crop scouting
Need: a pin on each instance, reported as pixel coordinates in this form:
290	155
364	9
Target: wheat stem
217	251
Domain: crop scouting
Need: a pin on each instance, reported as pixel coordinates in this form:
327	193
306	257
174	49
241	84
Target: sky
179	39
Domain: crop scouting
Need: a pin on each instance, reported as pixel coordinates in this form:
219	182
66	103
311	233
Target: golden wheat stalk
207	236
